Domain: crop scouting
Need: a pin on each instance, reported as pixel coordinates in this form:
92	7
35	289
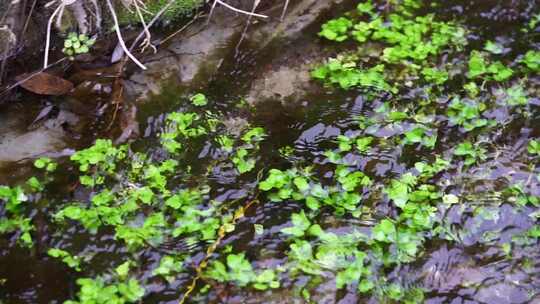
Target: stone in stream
194	57
18	143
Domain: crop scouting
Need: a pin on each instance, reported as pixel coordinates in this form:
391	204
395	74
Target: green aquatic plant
515	95
434	75
45	163
534	147
472	153
363	144
96	291
405	41
181	126
199	100
239	270
70	260
14	218
344	72
420	135
466	113
242	158
517	194
336	29
478	66
532	60
101	157
168	267
494	47
428	170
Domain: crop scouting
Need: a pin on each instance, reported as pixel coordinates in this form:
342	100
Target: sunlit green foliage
412	41
239	270
467	114
14	218
96	291
72	261
479	67
471	153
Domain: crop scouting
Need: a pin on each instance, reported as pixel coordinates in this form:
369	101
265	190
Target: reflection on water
468	267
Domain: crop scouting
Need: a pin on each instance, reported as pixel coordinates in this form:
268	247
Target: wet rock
502	293
18	143
288	79
191	58
8	41
298	18
285	83
450	269
235	125
200	49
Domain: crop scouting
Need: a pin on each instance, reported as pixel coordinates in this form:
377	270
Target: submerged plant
239	270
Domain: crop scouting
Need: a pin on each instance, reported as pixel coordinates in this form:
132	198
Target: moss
179	9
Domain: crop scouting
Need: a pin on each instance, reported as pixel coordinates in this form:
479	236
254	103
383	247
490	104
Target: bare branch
48	39
119	35
284	9
239	10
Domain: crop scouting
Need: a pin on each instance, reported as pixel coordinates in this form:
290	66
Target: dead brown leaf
46	84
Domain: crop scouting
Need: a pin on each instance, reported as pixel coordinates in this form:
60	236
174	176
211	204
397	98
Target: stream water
468	266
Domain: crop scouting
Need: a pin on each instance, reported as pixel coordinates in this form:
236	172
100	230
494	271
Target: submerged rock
193	58
200	49
18	143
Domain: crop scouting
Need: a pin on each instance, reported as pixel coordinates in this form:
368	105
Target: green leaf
123	269
300	225
494	48
477	65
199	100
259	229
336	29
385	231
301	183
450	199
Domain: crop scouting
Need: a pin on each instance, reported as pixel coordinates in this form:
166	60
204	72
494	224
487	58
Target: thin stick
28	18
120	39
148	40
156	17
48	39
284	9
244	32
4	60
181	29
239	10
211	11
238	214
16	84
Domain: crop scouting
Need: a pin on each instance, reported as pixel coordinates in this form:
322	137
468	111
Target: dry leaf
46	84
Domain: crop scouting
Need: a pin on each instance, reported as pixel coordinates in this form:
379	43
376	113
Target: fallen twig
238	214
120	38
239	10
148	40
182	28
48	38
25	27
284	9
244	32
